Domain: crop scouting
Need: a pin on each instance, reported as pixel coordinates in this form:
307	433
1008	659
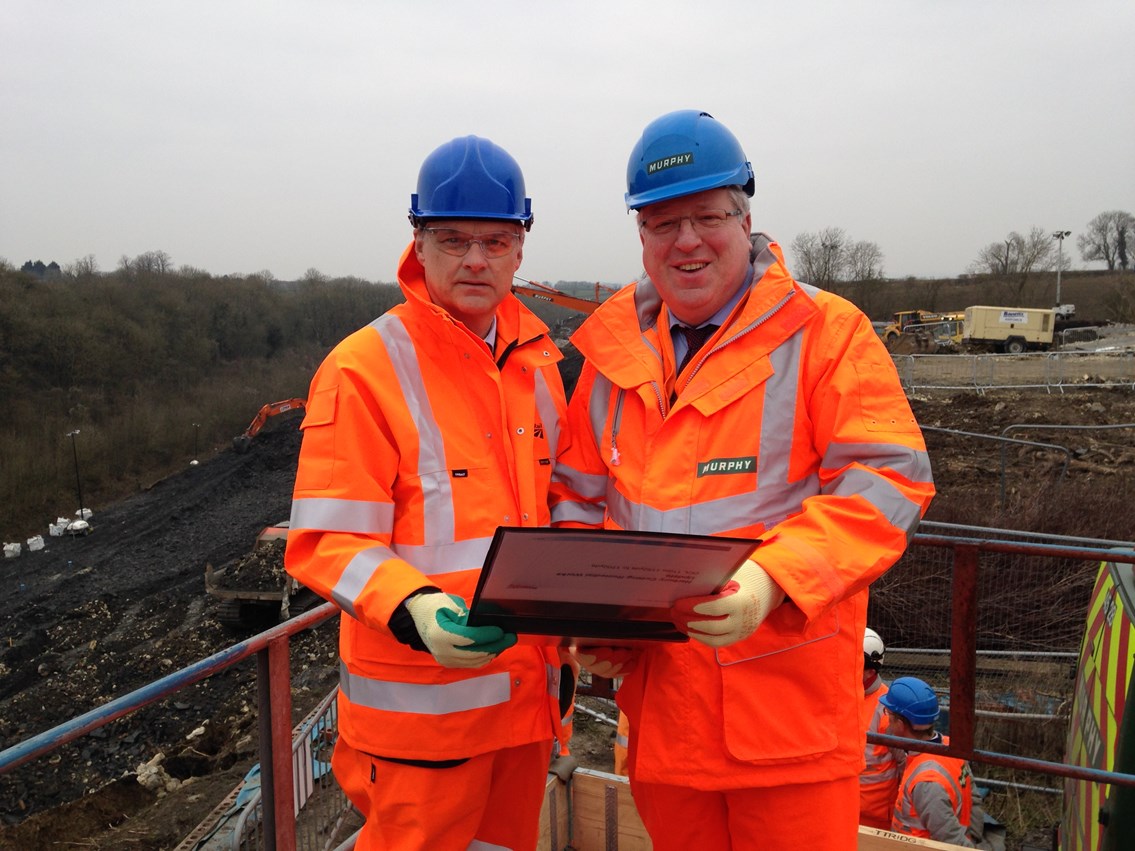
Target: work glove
734	613
441	621
609	662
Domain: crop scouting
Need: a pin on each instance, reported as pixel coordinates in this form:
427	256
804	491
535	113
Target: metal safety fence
1048	371
991	618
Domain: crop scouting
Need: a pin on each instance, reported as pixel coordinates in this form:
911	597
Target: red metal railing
272	650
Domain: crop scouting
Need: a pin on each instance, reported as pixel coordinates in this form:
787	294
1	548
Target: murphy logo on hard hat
727	466
670	162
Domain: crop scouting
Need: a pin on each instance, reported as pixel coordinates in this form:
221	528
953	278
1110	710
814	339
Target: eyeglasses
457	242
702	221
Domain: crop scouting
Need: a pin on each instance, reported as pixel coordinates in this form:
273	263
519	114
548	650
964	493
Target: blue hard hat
682	153
913	699
470	178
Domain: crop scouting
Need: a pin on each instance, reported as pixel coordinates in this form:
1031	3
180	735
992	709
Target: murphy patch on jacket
669	162
727	466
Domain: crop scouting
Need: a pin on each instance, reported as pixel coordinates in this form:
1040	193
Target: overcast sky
283	136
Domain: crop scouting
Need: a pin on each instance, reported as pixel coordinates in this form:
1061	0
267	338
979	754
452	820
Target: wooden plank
554	815
873	839
604	815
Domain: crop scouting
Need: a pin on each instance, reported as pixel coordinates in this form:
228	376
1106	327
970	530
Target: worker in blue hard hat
879	780
721	396
935	799
425	431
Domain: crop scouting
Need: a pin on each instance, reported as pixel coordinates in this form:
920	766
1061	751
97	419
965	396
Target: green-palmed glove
441	621
733	614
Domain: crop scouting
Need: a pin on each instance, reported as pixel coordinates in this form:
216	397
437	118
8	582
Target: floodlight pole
196	430
78	480
1059	237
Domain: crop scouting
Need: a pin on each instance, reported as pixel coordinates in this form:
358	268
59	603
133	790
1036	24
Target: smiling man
424	432
719	396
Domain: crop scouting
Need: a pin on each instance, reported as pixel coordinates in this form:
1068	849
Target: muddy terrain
90	618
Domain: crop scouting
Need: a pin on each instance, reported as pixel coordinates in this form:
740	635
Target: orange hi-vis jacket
935	799
879	782
790	426
418	442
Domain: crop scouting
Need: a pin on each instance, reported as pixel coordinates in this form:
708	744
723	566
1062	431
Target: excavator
543	292
242	441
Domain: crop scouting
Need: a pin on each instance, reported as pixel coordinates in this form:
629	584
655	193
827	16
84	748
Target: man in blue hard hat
935	797
720	396
424	432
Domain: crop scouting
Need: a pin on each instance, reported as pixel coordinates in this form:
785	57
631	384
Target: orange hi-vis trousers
774	818
493	799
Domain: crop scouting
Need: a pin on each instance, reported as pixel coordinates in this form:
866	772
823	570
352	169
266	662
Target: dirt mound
89	619
260	570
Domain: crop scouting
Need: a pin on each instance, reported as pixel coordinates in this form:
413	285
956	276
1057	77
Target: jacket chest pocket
773	708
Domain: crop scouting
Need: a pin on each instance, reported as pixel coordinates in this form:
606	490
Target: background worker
424	432
935	798
741	736
879	782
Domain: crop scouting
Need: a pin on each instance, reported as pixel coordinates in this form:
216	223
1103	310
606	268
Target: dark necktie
695	339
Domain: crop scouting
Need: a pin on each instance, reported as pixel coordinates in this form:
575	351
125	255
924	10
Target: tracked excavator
243	441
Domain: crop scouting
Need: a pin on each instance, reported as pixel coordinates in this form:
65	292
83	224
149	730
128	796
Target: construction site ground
87	619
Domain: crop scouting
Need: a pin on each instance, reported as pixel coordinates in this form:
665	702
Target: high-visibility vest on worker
942	779
879	781
407	468
790	426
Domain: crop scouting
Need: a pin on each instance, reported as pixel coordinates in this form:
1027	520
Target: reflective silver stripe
869	752
546	409
587	485
598	407
885	776
478	845
577	512
621	740
437	494
342	515
445	558
359	570
425	699
778	414
904	805
913	464
901	512
768	505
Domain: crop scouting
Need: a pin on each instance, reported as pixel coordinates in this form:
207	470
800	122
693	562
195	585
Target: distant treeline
154	367
150	367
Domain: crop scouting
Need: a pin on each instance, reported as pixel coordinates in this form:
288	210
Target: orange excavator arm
241	442
542	292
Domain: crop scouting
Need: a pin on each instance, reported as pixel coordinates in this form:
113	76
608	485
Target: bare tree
1015	258
1106	239
864	262
821	258
805	256
84	269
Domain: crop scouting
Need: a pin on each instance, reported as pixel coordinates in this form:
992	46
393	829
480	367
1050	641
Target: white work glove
734	613
608	662
441	622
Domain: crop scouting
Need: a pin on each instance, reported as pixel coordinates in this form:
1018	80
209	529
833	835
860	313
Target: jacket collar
622	335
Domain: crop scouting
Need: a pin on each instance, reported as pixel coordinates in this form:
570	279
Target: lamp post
1059	237
78	480
196	430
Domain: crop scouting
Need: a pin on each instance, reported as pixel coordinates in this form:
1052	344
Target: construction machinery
254	591
543	292
242	441
1013	330
922	331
